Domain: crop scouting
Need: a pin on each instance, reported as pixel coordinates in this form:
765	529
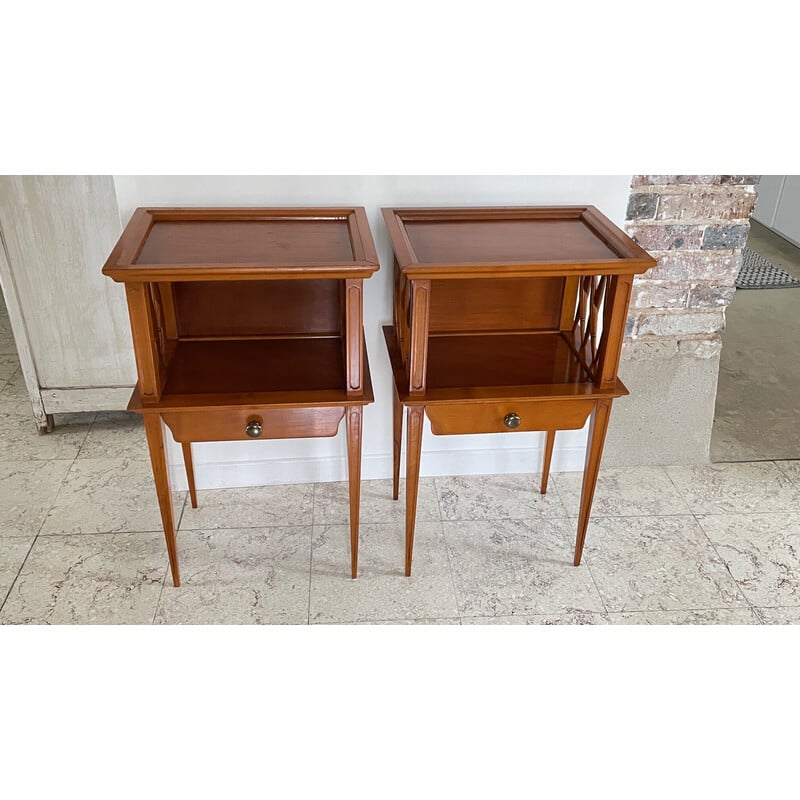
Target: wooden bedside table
247	324
507	319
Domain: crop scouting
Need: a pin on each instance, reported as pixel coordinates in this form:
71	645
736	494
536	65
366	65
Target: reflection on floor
758	396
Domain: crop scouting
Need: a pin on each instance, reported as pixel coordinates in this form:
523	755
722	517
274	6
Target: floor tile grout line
587	560
726	565
161	592
166	566
180	516
790	478
86	435
553	483
594	583
311	544
677	610
38	533
19	571
414	620
679	491
612	612
311	567
447	550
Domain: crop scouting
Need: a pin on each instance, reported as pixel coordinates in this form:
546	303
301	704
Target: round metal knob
512	420
254	429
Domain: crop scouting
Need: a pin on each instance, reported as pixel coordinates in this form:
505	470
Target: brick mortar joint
672	312
668	282
697	222
677	337
682	189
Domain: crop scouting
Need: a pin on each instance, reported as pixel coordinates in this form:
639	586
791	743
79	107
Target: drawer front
262	423
508	416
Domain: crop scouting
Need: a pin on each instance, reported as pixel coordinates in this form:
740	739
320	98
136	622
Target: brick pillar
696	227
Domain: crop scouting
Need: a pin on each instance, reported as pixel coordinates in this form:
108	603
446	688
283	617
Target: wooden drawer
230	425
534	415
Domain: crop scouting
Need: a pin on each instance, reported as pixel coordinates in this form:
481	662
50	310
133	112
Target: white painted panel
58	232
279	461
62	401
769	191
787	215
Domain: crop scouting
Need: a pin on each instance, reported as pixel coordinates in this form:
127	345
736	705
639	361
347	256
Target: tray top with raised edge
189	244
510	241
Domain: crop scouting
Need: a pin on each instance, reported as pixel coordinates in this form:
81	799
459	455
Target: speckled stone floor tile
514	567
95	579
19	439
714	616
657	564
780	615
102	495
623	493
116	434
9	364
421	621
791	469
381	591
253	507
13	550
332	503
243	576
486	497
762	552
27	491
575	618
7	345
736	488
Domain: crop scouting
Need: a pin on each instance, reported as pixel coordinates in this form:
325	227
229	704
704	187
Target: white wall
769	192
252	463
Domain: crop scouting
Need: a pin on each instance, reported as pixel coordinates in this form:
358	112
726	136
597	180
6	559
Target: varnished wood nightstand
247	324
507	319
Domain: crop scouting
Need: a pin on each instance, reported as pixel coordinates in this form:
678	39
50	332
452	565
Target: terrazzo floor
80	541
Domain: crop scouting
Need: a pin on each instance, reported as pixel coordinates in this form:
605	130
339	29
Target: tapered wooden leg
354	416
158	461
398	439
594	450
548	456
416	414
187	460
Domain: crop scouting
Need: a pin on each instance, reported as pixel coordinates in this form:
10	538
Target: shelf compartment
256	366
520	359
532	384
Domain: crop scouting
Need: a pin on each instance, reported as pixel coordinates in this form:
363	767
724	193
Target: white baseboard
231	474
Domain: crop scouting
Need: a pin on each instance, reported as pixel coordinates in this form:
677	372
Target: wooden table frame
508	319
246	322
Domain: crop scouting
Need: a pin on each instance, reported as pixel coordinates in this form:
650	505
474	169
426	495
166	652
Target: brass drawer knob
512	420
254	429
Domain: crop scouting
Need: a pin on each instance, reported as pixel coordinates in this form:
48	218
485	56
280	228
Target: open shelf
236	367
520	359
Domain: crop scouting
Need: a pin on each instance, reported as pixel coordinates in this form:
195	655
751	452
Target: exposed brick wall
696	227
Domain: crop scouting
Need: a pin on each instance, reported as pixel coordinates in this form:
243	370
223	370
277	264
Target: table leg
187	460
158	461
548	455
416	415
594	450
398	439
354	416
